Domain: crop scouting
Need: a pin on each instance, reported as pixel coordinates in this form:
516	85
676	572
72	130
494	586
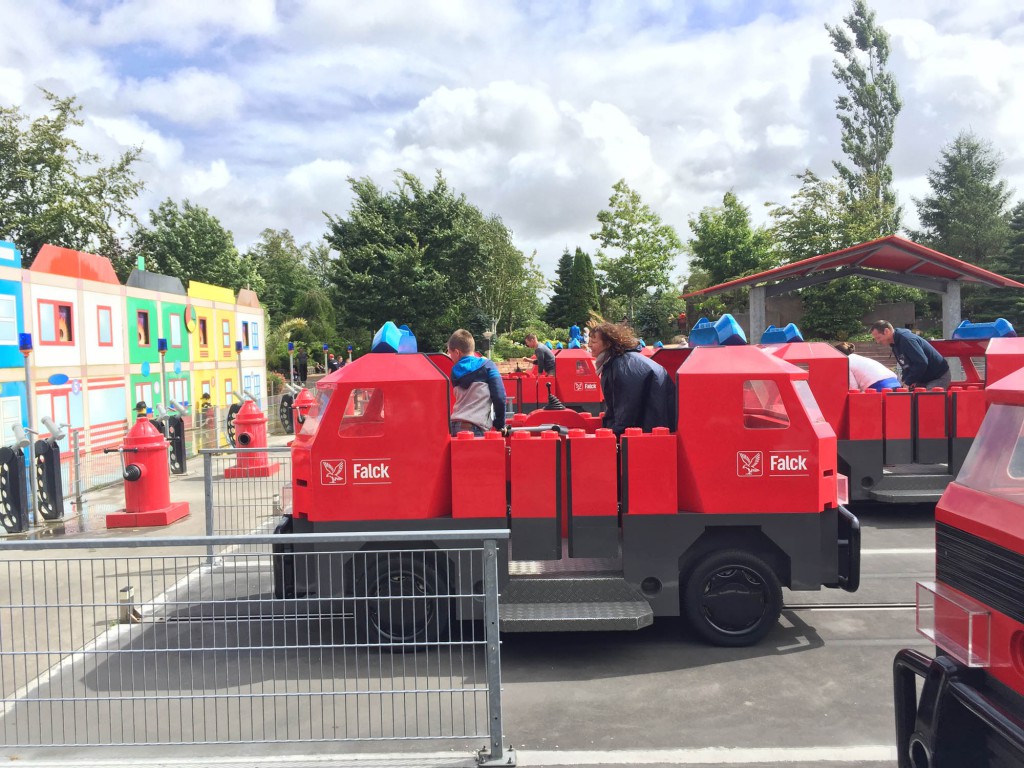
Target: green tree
557	311
647	247
509	295
282	265
186	241
415	254
821	218
726	246
583	300
53	191
965	215
1007	302
867	113
320	263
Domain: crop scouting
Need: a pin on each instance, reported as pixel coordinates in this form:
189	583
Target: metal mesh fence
107	643
246	489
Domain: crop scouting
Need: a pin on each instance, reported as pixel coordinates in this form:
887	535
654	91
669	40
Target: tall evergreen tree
583	298
1006	302
867	112
965	215
557	312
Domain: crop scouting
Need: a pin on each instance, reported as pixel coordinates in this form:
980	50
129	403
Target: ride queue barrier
249	503
148	641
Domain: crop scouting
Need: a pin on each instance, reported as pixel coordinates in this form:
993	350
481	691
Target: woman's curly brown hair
618	336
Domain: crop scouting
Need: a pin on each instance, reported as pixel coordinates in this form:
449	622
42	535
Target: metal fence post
76	462
208	499
493	661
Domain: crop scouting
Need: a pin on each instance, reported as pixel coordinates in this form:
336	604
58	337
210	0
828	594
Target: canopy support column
757	313
950	308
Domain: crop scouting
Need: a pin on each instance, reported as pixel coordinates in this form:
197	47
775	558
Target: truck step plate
575	617
559	604
906	496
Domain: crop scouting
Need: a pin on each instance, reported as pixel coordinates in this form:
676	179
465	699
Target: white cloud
189	96
261	111
183	25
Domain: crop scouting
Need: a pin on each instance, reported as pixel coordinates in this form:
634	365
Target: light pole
487	336
161	347
291	362
325	359
25	347
238	359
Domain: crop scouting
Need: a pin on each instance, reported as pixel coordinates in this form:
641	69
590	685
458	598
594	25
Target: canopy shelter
891	259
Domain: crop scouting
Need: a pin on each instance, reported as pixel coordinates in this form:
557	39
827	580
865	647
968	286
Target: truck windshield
312	422
995	463
803	391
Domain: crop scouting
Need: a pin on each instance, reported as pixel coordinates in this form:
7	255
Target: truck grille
987	572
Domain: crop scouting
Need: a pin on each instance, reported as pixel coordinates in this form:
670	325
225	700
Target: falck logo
332	472
749	464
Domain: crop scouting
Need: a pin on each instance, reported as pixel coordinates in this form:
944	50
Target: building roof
891	254
54	260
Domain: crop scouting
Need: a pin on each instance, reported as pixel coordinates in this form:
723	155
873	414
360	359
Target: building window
225	332
175	322
255	335
203	339
228	389
245	334
142	327
178	390
55	323
104	326
8	320
144	394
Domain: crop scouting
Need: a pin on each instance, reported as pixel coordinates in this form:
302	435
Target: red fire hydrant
147	480
303	402
251	432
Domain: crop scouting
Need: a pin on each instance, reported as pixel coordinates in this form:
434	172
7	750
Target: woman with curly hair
637	391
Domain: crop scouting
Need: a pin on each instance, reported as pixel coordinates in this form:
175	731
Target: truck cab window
762	405
364	413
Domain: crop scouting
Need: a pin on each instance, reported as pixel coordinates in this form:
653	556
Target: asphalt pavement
816	692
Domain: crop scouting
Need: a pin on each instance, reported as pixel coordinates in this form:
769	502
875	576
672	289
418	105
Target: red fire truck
895	447
970	711
708	520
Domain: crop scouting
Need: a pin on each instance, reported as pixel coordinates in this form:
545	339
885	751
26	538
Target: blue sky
260	110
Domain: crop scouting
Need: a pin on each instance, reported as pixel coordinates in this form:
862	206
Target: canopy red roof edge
888	254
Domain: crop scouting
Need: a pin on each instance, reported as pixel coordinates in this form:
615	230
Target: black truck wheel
732	598
403	603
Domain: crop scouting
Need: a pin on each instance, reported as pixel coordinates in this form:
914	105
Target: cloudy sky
260	110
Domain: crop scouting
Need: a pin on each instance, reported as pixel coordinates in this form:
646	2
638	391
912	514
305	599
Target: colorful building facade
98	345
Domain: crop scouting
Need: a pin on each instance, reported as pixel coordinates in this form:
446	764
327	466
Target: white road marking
900	551
710	756
527	757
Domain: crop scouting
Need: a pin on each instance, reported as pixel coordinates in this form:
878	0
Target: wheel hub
734	600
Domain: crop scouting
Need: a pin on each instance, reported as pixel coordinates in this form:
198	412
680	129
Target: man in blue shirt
921	365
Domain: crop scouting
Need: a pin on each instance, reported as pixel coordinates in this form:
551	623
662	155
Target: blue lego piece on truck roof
724	332
784	335
391	338
998	329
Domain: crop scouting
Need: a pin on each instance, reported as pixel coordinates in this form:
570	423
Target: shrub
275	383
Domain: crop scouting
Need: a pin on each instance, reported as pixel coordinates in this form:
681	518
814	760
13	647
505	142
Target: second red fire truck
709	520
